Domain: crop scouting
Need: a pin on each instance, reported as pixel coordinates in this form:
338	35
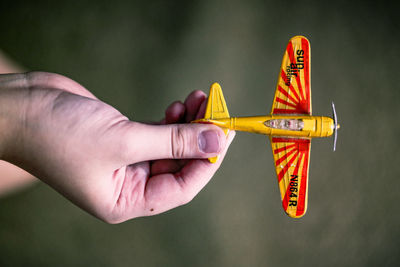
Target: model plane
290	125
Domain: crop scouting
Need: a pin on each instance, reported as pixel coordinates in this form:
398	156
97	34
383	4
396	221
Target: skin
12	178
113	168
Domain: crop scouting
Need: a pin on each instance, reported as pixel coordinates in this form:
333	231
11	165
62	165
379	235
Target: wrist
12	89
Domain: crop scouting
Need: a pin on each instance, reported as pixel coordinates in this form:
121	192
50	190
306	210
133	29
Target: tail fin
216	108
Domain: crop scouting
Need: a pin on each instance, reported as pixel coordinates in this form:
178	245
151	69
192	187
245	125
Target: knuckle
184	191
186	195
197	93
111	220
178	142
35	78
108	217
186	198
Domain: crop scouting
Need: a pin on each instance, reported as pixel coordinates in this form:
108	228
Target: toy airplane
290	125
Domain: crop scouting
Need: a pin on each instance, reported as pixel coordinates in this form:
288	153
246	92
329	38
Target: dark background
140	56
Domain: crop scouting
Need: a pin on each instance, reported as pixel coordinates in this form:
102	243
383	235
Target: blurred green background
140	56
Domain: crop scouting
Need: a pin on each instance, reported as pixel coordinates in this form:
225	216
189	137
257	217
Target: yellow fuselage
278	125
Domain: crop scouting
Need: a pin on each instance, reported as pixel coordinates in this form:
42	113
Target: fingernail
209	141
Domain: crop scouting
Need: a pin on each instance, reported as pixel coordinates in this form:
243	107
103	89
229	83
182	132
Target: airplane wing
292	156
293	91
216	108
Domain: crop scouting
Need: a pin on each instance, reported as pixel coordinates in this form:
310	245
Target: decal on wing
293	91
291	156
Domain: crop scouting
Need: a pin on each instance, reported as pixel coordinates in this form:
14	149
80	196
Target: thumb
173	141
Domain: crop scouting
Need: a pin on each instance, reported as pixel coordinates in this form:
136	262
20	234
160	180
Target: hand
114	168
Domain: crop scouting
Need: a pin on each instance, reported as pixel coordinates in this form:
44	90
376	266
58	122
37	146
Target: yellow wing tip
295	216
293	213
299	37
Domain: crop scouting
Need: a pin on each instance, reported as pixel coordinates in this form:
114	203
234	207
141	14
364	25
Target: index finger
193	103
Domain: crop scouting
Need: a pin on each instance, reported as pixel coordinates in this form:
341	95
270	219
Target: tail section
216	105
216	109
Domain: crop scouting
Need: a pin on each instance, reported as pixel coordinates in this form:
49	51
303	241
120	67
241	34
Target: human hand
113	168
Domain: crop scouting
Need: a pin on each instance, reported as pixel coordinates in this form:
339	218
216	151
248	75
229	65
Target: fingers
193	103
140	142
165	166
174	113
177	141
199	172
202	110
178	112
167	191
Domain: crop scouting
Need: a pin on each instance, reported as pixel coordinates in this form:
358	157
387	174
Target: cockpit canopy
285	124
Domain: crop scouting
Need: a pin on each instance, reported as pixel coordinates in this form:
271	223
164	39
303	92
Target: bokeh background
139	56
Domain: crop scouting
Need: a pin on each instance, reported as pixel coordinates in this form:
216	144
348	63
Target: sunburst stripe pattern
291	157
293	92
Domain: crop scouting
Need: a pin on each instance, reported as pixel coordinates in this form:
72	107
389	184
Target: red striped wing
292	156
293	91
